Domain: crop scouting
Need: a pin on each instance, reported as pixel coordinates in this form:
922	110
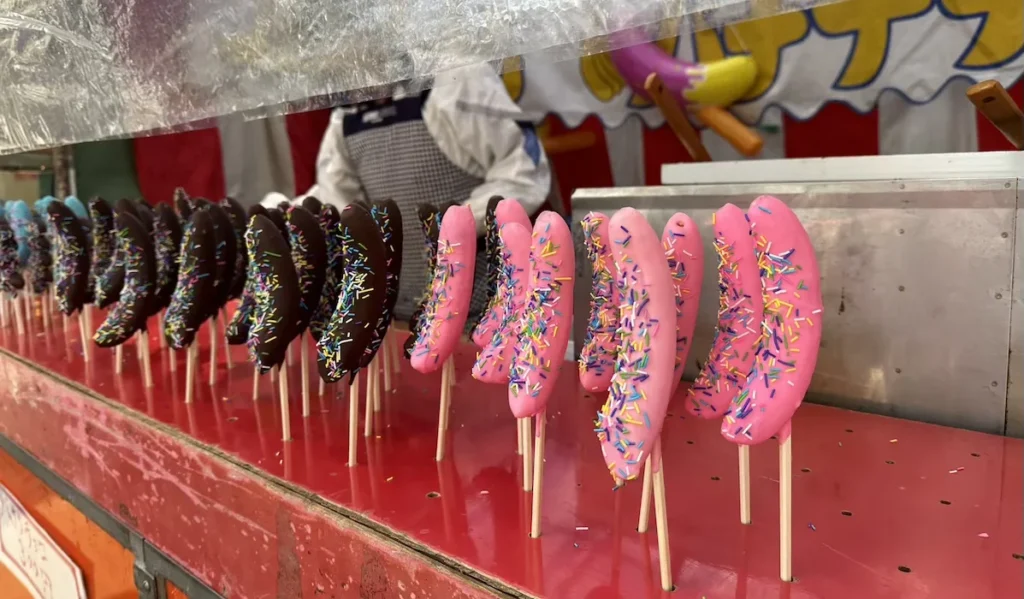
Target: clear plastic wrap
81	70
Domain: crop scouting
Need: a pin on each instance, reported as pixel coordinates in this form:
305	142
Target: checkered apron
395	156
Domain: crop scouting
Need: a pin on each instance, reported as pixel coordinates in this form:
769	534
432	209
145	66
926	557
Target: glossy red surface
944	504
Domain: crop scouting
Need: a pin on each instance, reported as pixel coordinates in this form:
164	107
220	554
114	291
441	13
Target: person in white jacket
462	141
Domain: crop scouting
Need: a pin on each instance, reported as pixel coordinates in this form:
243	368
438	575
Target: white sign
33	557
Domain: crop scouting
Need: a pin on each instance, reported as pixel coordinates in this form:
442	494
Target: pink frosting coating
740	310
451	290
494	360
546	322
685	255
630	421
597	356
507	211
787	349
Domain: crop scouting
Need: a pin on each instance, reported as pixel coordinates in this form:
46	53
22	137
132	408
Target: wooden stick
527	455
213	351
160	323
786	505
353	420
147	372
744	484
191	358
519	436
47	316
138	347
227	348
3	312
396	353
321	388
386	350
286	417
645	498
538	473
173	355
20	320
661	515
304	365
255	382
84	335
119	359
290	355
731	129
379	366
371	384
991	99
442	418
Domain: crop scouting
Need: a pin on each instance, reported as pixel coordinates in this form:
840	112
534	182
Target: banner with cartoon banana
849	52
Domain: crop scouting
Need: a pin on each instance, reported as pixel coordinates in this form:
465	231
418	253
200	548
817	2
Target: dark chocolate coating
193	294
312	205
277	217
361	298
71	272
146	215
167	252
226	247
389	222
11	279
133	305
238	221
183	204
430	221
104	245
274	291
126	205
40	259
237	331
309	255
283	206
492	251
329	219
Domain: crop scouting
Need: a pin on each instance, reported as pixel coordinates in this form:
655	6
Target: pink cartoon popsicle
506	211
597	357
787	350
740	310
544	330
495	359
685	255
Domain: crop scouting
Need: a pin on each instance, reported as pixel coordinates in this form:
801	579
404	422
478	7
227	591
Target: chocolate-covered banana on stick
71	268
237	331
275	291
224	254
189	306
309	255
239	221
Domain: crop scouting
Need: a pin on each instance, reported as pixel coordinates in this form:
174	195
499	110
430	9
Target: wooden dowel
227	348
286	417
119	359
379	372
527	454
786	508
147	372
82	327
371	381
353	420
160	323
538	473
304	365
645	497
138	347
519	437
442	417
661	515
676	118
190	371
744	459
255	382
213	351
20	320
386	360
321	387
742	138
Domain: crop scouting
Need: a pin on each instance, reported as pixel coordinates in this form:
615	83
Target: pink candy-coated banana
740	310
494	361
630	421
507	211
685	256
597	357
787	351
451	290
546	323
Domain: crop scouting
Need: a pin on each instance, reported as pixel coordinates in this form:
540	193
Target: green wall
106	169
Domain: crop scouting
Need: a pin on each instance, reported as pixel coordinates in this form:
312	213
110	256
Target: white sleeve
336	180
481	130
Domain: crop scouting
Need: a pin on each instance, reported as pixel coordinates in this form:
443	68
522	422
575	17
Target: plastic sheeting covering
81	70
